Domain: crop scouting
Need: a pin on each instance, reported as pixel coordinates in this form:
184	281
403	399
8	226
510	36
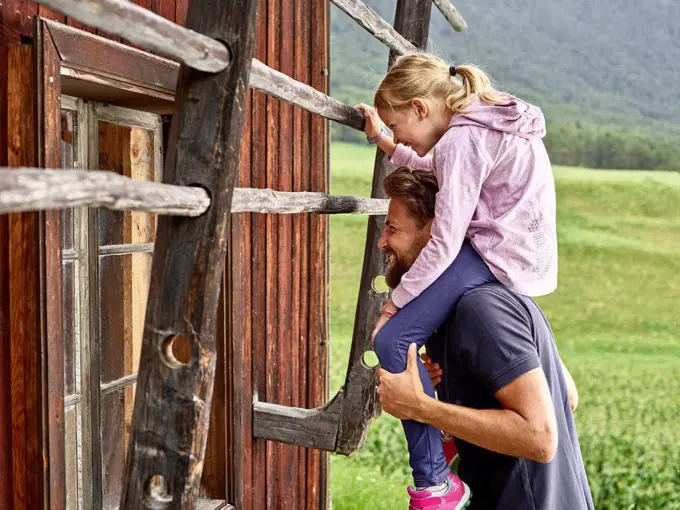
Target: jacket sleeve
405	156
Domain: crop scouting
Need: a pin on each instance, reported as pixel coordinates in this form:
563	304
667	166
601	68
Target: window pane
123	290
69	151
115	428
71	456
69	319
129	152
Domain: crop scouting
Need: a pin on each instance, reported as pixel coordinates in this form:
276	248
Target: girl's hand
373	125
384	317
433	369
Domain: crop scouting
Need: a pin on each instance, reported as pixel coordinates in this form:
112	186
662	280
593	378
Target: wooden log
451	14
285	88
310	428
375	25
173	400
32	189
361	403
149	30
283	202
28	189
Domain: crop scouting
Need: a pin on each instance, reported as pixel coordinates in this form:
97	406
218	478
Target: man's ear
421	108
428	227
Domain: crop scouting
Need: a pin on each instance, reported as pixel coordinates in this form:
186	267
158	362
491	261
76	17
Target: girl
496	189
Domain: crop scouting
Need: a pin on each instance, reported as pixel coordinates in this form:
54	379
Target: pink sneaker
457	497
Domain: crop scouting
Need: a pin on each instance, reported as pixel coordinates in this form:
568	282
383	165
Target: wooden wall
275	349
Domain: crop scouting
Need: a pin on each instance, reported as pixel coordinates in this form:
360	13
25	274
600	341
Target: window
106	265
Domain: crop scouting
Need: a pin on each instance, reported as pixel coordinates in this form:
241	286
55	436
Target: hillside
609	63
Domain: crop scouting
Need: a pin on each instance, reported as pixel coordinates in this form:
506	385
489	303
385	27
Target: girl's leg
415	323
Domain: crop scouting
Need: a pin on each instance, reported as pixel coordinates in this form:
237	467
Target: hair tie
452	70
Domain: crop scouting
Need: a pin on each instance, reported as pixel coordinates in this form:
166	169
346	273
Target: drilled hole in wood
156	489
369	359
177	351
379	284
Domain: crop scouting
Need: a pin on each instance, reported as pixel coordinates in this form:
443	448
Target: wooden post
172	401
361	404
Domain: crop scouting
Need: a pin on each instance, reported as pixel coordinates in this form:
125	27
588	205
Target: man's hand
433	369
402	394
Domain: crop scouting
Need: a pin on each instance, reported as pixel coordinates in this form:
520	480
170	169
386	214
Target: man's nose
382	242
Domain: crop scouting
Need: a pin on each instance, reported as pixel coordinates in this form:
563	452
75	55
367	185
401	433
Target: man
504	395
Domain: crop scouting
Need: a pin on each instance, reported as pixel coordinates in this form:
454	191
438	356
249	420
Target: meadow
616	320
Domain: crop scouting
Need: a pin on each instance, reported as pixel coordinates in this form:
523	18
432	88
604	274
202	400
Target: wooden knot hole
177	351
369	359
156	491
379	284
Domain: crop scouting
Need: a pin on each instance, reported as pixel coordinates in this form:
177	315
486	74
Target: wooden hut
87	371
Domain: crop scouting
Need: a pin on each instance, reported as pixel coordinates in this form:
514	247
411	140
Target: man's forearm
500	430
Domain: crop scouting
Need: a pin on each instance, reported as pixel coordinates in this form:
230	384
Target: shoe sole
462	504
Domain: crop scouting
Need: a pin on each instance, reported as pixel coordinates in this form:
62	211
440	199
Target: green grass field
615	316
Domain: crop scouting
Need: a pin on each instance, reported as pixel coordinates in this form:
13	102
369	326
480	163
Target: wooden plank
24	292
288	454
240	306
181	9
451	14
303	66
369	20
165	8
309	428
26	189
257	498
298	251
47	13
277	84
51	340
86	52
274	450
361	404
151	31
172	404
318	331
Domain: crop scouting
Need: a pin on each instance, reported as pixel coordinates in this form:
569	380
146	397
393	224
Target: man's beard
401	264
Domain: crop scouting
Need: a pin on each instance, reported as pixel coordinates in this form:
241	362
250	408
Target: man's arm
572	392
526	427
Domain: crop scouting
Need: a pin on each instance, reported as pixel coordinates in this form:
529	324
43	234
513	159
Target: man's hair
417	187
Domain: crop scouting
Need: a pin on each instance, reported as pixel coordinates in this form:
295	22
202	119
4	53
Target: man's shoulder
491	299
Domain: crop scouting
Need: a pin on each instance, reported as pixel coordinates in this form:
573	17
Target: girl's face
417	126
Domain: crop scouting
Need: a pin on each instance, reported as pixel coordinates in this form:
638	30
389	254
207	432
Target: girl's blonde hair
427	76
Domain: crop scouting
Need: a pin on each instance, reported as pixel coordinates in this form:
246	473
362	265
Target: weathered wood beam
141	26
375	25
285	88
310	428
451	14
32	189
290	202
172	401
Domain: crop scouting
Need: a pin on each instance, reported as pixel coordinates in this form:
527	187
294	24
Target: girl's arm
405	156
462	168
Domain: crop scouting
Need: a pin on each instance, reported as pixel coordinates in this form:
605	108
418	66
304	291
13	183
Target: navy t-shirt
493	337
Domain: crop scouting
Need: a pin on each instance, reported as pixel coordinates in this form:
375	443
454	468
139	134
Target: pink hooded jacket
496	187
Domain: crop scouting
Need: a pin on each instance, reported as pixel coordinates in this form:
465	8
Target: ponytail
475	84
421	75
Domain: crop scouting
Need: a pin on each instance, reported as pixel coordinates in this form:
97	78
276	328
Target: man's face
402	240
